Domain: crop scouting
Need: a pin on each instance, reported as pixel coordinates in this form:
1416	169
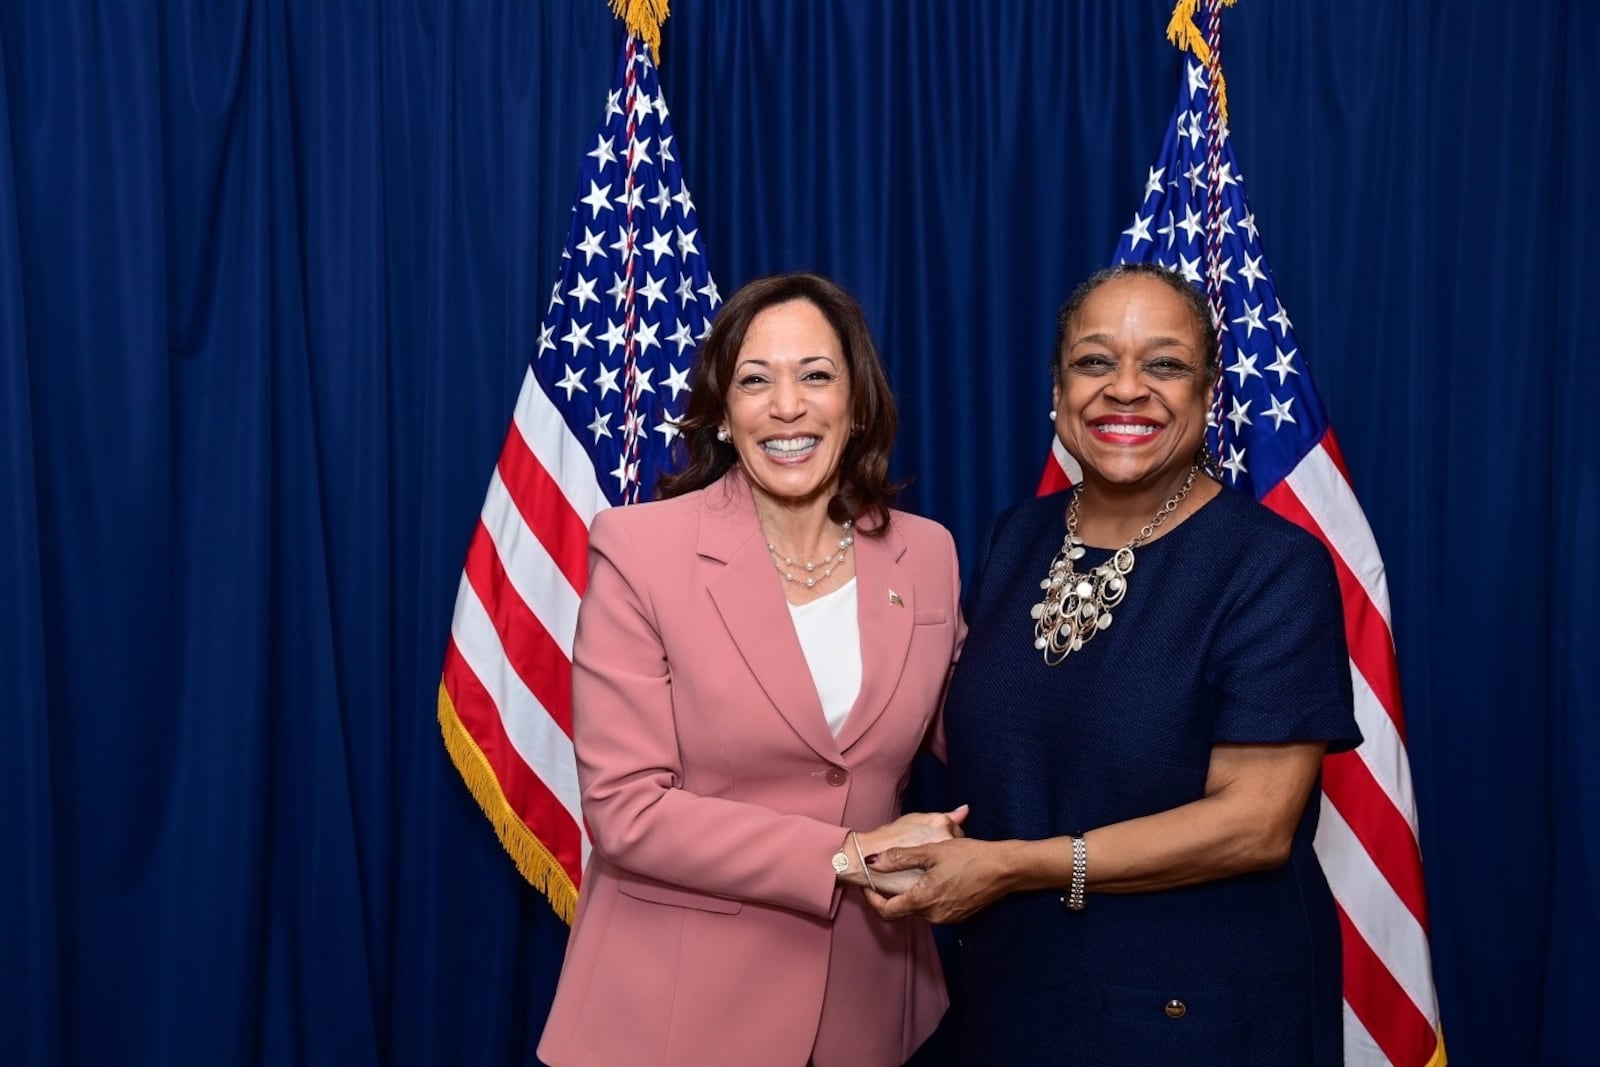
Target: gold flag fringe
542	870
1183	33
643	19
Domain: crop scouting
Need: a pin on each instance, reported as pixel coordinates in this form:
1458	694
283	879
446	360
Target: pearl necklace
1076	606
809	577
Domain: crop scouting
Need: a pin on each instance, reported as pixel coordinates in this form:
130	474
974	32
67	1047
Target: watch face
841	862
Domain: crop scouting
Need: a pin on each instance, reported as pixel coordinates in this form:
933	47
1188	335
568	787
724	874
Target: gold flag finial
643	19
1183	33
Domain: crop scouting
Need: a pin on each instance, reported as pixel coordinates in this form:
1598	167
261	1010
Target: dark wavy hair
1193	299
865	491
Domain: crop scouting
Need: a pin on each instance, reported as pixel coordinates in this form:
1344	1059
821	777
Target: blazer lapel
885	606
752	606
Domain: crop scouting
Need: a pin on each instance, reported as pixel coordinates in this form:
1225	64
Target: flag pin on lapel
894	598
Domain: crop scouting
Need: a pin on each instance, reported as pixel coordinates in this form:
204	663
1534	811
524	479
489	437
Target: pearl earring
1052	414
722	434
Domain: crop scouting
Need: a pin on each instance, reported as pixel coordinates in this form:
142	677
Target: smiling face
1131	385
787	409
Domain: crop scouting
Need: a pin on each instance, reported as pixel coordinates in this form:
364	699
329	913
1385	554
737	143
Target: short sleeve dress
1231	631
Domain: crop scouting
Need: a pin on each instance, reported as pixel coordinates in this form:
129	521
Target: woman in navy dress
1138	885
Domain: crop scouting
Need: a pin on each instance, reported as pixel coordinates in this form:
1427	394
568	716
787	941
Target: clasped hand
952	879
917	828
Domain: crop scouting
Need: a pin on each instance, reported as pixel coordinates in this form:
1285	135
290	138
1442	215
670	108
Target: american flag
1273	440
592	429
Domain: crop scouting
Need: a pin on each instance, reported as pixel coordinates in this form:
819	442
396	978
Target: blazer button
1176	1009
837	775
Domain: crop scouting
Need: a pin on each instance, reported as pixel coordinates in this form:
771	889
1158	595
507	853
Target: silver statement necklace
807	573
1076	606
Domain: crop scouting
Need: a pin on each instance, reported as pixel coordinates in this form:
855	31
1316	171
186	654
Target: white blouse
830	636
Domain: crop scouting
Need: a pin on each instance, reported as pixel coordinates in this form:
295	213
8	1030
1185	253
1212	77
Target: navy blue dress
1231	631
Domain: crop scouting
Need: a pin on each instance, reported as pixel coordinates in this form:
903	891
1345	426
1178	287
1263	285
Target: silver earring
722	434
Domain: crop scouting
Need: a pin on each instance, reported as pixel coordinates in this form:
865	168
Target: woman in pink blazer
758	658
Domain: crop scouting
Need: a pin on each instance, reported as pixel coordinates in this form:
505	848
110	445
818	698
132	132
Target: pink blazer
709	928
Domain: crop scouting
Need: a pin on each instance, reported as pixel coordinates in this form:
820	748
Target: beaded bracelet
1080	874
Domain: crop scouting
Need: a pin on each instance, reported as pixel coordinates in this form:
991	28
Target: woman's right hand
917	828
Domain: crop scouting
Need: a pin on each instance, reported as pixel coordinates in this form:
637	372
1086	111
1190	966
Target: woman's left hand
960	878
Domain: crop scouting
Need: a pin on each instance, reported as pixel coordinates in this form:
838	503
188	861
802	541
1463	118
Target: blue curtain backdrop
269	276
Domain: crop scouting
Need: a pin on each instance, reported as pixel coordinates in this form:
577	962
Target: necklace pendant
1075	607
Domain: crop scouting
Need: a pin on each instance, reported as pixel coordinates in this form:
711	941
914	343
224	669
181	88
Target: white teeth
790	445
1114	427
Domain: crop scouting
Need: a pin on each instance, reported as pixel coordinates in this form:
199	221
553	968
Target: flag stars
1234	464
668	430
683	200
572	382
1197	78
639	153
652	290
641	381
547	337
664	146
1197	176
590	245
1251	272
1283	364
643	104
599	426
683	339
632	198
709	291
606	382
1225	176
623	245
614	337
1248	225
1240	415
687	242
1278	412
1152	184
677	377
1169	229
603	154
577	336
1245	367
598	199
1280	319
583	292
1197	129
661	201
686	290
1190	268
624	472
619	288
1192	224
1139	231
659	245
613	104
1251	320
645	336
